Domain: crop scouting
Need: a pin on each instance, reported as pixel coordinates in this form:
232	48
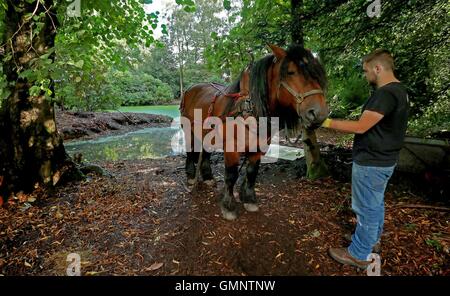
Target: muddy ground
144	221
90	125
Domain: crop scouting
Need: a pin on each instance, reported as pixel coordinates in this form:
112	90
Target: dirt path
144	222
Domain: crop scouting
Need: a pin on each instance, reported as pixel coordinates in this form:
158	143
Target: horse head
297	81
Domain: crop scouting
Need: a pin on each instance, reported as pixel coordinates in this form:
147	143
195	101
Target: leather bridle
299	97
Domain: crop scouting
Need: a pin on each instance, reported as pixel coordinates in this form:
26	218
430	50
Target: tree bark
316	167
31	151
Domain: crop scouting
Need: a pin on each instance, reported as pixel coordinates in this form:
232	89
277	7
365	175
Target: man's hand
326	123
367	120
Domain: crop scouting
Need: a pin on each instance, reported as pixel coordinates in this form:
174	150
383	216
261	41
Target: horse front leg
228	204
247	192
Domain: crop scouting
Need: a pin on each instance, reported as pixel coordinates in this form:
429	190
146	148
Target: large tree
31	151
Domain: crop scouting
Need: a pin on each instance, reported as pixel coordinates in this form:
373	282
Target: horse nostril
311	114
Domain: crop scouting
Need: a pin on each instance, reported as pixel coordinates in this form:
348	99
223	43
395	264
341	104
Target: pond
153	143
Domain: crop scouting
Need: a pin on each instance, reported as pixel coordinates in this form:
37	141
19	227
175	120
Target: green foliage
206	39
227	4
434	119
347	95
248	31
341	33
414	31
90	91
434	243
160	63
189	36
107	90
137	89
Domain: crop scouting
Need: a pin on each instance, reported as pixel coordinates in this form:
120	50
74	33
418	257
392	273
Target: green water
148	143
142	144
169	110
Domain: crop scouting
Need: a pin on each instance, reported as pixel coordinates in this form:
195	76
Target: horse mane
259	86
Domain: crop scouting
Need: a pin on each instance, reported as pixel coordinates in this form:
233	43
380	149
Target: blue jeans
368	186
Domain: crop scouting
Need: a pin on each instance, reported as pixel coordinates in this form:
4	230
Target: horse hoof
251	207
229	215
191	182
210	183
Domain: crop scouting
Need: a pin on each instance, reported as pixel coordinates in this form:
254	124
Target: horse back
199	96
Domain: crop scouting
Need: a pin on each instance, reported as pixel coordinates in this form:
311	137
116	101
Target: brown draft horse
288	84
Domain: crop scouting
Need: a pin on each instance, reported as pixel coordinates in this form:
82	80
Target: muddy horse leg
205	168
227	202
247	192
191	161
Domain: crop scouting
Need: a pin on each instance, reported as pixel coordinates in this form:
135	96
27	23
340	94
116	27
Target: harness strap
301	96
234	96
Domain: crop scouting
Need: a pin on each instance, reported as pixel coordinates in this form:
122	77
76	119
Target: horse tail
183	96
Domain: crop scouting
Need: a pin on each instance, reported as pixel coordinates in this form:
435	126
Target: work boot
342	255
376	248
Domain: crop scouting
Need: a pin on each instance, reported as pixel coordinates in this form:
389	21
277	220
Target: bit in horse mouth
312	126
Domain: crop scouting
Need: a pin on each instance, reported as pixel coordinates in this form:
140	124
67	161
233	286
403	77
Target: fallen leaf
154	266
27	264
315	233
58	215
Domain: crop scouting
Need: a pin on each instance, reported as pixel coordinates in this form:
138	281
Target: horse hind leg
206	170
247	192
191	160
228	204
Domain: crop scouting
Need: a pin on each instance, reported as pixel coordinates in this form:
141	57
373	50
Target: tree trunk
181	62
31	151
296	22
316	167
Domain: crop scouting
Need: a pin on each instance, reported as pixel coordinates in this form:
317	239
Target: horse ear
278	52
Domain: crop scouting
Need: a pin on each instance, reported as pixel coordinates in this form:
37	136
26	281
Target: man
379	135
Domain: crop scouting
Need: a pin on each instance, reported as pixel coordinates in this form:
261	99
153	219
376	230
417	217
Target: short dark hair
382	56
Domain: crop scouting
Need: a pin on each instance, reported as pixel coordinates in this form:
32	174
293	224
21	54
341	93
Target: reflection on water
152	143
143	144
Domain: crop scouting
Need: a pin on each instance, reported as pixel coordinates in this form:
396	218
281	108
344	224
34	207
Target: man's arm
367	120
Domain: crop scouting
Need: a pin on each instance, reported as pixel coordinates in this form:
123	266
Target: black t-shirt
380	146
